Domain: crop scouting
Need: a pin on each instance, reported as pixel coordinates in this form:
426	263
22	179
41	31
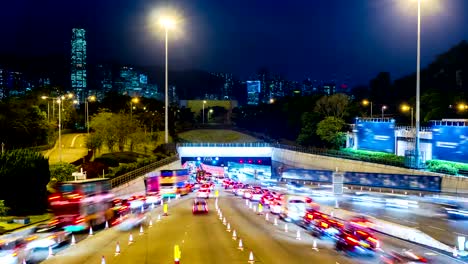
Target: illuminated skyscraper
78	63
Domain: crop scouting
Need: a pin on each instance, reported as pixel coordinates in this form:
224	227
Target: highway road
204	239
428	217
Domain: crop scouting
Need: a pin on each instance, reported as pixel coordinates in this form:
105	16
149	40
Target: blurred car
404	257
47	235
131	221
326	227
353	243
13	250
203	193
275	207
256	195
199	206
267	199
293	210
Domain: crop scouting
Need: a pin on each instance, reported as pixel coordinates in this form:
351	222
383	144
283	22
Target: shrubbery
371	156
446	167
128	167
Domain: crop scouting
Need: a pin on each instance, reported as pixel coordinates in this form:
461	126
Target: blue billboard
308	175
376	135
450	143
377	180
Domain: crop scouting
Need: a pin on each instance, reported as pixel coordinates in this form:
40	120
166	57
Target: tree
24	175
307	137
3	209
333	105
330	130
62	171
94	142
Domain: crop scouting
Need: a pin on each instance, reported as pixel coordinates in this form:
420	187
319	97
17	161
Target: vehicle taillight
79	220
324	225
352	240
54	197
310	216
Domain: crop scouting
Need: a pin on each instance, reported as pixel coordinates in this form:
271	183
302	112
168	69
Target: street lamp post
167	23
367	102
91	98
418	77
203	112
134	100
384	107
406	108
209	114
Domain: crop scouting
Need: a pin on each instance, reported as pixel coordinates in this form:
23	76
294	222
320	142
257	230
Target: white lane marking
460	234
438	228
414	223
431	254
73	140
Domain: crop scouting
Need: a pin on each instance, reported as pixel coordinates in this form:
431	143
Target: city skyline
333	40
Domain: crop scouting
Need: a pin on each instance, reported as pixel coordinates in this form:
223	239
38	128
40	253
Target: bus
152	188
170	180
81	204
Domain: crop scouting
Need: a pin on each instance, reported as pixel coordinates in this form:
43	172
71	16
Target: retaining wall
452	184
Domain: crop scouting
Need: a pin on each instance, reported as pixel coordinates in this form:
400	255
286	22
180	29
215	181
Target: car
353	243
325	227
203	193
275	207
404	257
256	195
199	206
13	250
310	216
267	199
47	235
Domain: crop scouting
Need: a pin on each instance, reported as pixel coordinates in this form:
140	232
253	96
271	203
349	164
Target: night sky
332	39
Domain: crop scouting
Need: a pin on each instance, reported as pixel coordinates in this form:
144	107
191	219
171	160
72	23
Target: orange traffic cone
141	230
90	231
251	258
151	223
224	220
130	239
234	235
107	225
286	228
298	235
117	249
275	222
266	217
103	260
228	227
314	246
73	240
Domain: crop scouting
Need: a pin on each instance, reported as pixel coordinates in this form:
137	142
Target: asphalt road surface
204	239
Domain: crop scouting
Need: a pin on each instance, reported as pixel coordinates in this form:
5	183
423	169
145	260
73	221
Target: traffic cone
286	227
234	235
455	252
117	249
152	206
141	230
51	253
251	258
169	200
241	246
73	240
266	217
130	239
103	260
150	223
228	227
220	216
90	231
336	204
314	246
224	220
162	202
298	235
275	222
107	225
159	217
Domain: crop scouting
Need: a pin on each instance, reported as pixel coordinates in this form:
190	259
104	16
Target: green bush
370	156
110	161
122	157
128	167
447	167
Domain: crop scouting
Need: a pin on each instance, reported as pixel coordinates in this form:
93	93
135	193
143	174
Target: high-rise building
253	92
78	63
103	81
2	84
228	85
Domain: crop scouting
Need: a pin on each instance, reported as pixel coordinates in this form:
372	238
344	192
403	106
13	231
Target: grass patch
5	226
216	136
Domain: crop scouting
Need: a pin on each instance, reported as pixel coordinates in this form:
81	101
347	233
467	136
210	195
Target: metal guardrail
224	145
127	177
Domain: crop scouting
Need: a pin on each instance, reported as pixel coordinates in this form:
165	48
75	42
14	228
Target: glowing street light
406	108
366	102
210	113
203	112
134	100
384	107
462	107
91	98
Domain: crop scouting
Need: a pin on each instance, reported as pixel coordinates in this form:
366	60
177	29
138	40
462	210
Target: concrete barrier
392	229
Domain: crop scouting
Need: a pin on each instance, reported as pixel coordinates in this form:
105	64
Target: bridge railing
127	177
224	145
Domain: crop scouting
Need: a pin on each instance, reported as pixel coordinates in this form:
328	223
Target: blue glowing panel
308	175
376	136
394	181
450	143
